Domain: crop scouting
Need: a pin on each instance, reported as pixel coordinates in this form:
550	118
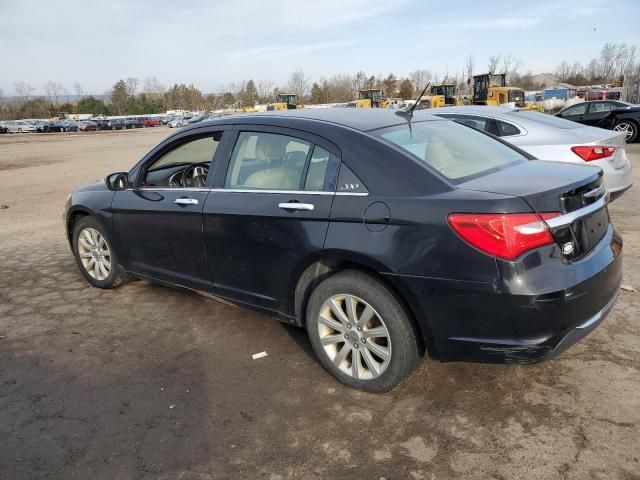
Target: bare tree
153	87
132	85
494	61
608	56
419	79
298	83
510	65
265	91
78	89
360	81
23	90
468	66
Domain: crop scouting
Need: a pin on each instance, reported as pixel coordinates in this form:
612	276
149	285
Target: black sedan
385	240
611	114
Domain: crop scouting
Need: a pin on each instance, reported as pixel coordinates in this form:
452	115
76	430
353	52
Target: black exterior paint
466	305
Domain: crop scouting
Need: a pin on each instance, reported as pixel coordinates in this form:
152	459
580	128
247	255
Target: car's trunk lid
556	187
598	136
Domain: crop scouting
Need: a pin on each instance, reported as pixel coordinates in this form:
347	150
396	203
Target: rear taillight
593	152
503	235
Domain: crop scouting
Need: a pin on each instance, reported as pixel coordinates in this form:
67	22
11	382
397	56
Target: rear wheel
360	332
630	129
94	253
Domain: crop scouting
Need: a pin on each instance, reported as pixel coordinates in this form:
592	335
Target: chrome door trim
218	190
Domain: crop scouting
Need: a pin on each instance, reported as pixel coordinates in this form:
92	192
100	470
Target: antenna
408	114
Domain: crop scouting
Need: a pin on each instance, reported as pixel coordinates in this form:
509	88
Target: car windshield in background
458	152
544	118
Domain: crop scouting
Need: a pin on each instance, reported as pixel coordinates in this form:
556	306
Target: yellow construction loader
448	93
285	101
369	98
491	89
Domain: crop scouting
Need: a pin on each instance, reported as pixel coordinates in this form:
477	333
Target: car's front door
269	213
158	221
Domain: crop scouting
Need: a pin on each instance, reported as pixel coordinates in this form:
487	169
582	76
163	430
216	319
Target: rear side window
599	107
457	152
507	129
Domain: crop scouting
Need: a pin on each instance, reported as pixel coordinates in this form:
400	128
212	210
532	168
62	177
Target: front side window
267	161
457	152
186	165
576	110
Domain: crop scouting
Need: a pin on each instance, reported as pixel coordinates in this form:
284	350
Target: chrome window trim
286	192
569	218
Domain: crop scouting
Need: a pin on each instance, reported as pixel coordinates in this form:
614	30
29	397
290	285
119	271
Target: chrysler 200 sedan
386	239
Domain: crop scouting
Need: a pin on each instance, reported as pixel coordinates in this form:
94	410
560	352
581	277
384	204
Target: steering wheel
195	174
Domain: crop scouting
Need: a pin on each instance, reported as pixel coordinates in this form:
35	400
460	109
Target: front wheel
630	129
361	333
94	253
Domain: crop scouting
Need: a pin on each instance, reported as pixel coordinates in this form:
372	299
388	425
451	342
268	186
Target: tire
19	130
94	275
384	314
627	126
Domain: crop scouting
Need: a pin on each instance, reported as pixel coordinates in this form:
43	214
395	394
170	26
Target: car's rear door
575	113
268	213
158	221
597	112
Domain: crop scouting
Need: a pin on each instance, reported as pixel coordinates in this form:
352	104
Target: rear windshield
544	118
458	152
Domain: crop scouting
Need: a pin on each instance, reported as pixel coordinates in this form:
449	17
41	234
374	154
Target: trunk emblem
567	248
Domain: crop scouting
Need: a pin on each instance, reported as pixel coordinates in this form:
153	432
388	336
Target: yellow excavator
442	95
369	98
491	89
285	101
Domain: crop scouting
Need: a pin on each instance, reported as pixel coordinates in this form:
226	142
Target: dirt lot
148	382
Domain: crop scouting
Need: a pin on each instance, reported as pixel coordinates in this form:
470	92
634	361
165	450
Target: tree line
129	96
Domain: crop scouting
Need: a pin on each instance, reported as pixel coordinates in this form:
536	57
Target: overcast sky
213	43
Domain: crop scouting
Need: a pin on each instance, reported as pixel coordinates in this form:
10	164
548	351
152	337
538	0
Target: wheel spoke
107	263
331	339
86	255
355	363
351	309
96	270
339	358
380	351
371	363
84	243
338	312
375	332
103	270
331	323
367	315
87	236
90	264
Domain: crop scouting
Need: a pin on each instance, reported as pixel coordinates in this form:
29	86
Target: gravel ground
147	382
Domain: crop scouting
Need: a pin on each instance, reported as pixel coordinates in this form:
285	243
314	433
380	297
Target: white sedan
551	138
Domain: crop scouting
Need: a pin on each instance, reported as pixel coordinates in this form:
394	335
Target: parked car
151	122
167	119
133	123
110	124
550	138
179	122
3	128
86	126
63	126
384	239
20	126
42	126
611	114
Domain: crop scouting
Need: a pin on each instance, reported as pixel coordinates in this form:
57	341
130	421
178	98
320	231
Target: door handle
296	206
186	201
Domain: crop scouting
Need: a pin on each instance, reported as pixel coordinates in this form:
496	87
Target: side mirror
117	181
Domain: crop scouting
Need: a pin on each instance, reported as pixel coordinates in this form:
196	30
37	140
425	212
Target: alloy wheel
626	128
354	337
94	253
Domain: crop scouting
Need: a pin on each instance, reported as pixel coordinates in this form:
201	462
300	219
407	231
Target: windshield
550	120
456	151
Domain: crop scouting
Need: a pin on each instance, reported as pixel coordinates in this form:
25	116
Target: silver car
551	138
20	126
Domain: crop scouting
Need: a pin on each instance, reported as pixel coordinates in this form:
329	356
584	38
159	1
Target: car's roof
364	119
473	109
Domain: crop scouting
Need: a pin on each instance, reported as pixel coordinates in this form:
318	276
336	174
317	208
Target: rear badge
567	248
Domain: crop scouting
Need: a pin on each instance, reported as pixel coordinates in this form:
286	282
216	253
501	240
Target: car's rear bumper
529	318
